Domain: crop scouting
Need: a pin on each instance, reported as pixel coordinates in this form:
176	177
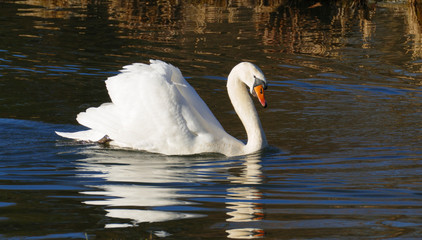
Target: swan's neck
246	111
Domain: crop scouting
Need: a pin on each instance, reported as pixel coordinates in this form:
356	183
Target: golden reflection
414	29
143	17
294	26
53	8
207	28
319	29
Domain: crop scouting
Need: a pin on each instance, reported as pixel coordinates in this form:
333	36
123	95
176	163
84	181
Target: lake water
343	121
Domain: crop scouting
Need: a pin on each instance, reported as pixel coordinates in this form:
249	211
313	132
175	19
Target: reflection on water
79	189
137	185
138	180
242	200
285	26
74	46
343	122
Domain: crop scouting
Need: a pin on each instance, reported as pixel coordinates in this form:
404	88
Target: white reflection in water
137	180
136	183
241	200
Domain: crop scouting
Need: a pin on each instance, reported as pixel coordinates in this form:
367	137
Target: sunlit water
343	122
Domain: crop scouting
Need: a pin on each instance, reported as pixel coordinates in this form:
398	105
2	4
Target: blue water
54	188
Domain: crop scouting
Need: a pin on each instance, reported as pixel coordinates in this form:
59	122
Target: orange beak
259	90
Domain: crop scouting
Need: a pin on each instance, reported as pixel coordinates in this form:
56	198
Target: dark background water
343	122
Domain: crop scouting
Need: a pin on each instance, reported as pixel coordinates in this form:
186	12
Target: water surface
343	122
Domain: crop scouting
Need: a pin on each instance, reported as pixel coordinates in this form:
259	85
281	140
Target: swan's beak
259	90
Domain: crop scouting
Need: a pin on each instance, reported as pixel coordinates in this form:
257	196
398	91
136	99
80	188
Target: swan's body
155	109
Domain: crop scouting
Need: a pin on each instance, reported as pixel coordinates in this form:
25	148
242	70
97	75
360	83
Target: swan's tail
102	120
88	135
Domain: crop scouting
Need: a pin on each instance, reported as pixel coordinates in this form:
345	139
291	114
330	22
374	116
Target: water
343	122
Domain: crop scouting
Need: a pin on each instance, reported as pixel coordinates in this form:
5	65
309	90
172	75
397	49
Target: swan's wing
160	88
202	115
155	109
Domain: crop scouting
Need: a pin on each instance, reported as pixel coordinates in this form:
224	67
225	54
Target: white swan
155	109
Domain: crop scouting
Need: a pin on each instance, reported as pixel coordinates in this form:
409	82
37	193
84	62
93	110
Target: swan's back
155	109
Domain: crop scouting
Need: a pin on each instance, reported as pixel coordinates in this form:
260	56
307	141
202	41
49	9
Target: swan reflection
136	183
135	187
242	203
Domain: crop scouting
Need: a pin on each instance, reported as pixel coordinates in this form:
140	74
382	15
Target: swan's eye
259	81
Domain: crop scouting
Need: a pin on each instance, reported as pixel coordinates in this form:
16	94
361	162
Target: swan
153	108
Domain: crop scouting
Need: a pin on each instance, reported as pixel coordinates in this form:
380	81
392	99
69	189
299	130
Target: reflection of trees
414	23
306	27
294	26
55	8
144	17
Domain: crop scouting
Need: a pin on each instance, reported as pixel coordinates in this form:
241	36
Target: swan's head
253	77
